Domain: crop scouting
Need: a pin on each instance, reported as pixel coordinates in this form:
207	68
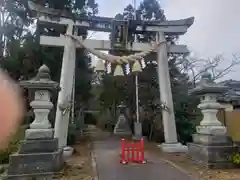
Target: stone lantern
42	86
38	155
208	92
211	146
122	125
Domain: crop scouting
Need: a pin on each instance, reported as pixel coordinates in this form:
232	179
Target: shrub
236	158
12	147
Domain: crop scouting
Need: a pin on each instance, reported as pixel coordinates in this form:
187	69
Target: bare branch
222	72
89	37
195	67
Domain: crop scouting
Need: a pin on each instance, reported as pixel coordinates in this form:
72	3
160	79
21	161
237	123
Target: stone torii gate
50	17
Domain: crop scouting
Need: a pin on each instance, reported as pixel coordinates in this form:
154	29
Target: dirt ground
79	166
199	173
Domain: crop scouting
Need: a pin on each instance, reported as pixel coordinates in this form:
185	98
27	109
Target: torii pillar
66	85
170	133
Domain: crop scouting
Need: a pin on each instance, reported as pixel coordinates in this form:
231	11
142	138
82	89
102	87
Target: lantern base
211	130
33	134
173	147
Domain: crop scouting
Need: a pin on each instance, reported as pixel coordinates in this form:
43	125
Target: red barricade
132	152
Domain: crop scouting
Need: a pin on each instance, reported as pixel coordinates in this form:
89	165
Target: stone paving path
108	166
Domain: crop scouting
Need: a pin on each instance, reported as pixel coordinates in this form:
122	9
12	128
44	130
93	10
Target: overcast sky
216	29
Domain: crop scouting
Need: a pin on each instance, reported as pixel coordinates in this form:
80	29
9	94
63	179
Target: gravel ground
200	173
79	166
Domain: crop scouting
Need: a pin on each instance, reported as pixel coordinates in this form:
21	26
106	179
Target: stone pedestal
38	133
208	139
211	146
38	146
38	156
212	151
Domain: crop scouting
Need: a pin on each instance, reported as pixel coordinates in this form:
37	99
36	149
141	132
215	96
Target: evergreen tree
24	55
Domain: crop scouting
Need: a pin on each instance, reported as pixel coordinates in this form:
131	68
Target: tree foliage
21	54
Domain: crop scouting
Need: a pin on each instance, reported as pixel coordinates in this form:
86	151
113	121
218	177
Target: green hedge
12	147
